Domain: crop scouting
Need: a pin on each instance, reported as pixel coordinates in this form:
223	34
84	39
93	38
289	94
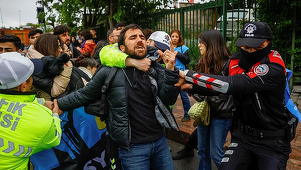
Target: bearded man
137	104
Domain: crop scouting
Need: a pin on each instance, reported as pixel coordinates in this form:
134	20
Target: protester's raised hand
56	108
169	58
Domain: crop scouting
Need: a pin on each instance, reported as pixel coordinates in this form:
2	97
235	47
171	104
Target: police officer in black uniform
256	77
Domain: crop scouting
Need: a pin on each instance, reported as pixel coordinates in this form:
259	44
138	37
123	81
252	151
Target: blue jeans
152	155
186	103
211	141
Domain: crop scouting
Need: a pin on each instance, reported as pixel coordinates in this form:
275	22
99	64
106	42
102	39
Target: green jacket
26	127
112	56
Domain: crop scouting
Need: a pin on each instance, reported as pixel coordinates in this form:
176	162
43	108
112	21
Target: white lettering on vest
7	120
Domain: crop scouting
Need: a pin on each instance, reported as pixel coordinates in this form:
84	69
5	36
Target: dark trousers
246	153
192	141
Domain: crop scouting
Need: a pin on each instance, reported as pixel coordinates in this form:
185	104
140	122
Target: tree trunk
113	10
85	18
111	7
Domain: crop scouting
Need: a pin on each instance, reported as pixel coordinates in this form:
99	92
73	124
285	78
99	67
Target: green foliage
75	13
41	16
279	15
140	11
87	13
194	54
29	24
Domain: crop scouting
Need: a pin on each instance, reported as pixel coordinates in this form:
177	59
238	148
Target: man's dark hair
147	32
119	25
122	33
60	29
11	38
109	32
86	34
34	31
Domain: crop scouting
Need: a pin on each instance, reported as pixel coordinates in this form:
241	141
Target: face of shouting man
134	43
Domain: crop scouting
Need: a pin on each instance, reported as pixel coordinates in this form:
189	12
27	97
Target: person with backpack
57	70
137	105
256	77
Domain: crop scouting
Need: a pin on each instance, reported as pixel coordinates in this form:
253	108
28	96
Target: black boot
183	154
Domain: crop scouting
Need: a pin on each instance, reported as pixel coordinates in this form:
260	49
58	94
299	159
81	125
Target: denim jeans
186	103
152	155
211	141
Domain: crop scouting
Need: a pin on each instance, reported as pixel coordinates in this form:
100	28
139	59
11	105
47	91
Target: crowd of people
57	73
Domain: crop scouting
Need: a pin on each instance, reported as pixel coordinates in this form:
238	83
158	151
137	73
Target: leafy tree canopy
279	14
87	13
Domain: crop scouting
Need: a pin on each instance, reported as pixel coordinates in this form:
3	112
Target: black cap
254	34
38	66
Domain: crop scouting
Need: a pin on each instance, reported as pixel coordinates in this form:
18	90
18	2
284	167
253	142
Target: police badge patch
261	69
249	30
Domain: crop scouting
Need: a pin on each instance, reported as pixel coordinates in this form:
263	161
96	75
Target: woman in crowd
57	68
211	138
86	65
89	44
74	42
182	59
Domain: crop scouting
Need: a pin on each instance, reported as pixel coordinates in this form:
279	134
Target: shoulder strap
104	89
72	51
81	73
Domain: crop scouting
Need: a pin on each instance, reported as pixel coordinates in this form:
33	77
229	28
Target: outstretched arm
239	83
184	58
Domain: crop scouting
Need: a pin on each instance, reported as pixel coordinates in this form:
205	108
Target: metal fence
192	20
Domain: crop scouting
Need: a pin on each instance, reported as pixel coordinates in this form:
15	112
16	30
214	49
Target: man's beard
133	54
67	43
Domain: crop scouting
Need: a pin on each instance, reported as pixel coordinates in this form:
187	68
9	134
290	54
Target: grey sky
10	12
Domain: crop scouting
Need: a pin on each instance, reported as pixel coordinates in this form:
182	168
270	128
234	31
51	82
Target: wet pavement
190	163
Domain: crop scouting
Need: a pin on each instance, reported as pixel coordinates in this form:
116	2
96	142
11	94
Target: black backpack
98	106
76	81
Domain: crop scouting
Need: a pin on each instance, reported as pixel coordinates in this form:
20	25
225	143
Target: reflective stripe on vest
11	148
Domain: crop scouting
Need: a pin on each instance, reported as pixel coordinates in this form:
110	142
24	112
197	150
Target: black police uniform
259	100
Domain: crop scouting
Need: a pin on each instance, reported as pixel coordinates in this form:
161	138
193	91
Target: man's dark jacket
118	123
